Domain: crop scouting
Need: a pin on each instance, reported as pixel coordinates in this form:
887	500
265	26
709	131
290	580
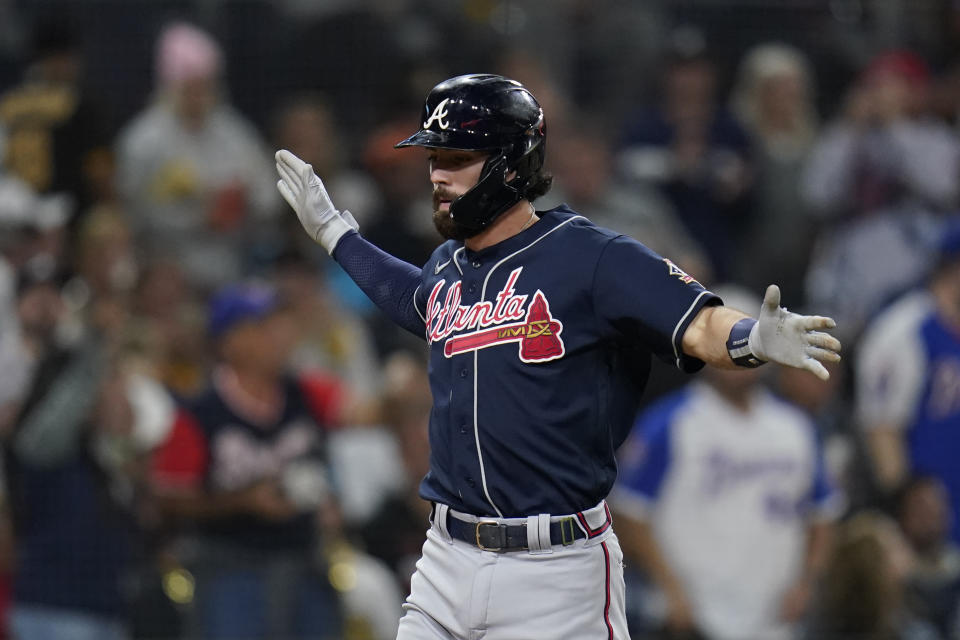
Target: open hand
304	192
793	339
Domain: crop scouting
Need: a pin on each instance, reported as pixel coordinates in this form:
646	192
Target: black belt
493	536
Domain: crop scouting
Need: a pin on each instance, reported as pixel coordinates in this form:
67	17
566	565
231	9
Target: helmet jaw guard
483	203
483	112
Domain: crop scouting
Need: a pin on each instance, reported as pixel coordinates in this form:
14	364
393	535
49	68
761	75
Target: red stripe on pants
606	604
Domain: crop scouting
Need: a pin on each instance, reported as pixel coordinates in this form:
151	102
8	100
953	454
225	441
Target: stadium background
345	80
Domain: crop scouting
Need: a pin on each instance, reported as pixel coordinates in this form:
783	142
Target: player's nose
439	177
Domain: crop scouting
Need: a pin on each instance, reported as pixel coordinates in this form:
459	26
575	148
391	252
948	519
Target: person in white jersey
724	503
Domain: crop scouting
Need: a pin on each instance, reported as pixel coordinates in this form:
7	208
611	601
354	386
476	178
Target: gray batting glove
792	339
304	191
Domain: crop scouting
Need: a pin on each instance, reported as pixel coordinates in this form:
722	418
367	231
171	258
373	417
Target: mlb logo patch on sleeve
679	273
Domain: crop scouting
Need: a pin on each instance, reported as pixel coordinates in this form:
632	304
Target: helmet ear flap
530	162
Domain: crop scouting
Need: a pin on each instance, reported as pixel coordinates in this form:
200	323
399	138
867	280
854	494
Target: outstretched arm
389	282
728	339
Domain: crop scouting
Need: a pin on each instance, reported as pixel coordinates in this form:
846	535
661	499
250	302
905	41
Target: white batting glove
792	339
304	191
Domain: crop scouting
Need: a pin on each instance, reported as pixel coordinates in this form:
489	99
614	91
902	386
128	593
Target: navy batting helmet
486	112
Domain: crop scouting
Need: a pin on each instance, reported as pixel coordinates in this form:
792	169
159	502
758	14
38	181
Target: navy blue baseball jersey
539	351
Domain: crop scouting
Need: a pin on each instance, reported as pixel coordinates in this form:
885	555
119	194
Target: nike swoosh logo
440	267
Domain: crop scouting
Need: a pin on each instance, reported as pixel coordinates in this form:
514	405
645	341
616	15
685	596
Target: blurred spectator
30	239
907	396
35	314
585	178
882	175
694	151
863	585
56	139
166	305
194	173
397	530
725	504
933	586
329	337
246	464
774	100
74	470
105	256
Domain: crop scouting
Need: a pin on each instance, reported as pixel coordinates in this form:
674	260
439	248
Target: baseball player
540	326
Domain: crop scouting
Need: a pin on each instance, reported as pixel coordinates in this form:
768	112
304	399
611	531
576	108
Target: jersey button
472	288
463	373
463	428
476	264
471	482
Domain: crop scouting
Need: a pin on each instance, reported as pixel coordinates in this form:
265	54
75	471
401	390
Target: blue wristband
738	344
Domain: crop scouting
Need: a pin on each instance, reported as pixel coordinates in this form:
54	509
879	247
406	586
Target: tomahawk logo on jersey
509	318
516	326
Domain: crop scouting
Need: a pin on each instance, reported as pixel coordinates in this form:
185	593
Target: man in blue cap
246	463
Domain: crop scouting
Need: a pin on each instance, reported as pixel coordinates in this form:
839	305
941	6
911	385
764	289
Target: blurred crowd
208	431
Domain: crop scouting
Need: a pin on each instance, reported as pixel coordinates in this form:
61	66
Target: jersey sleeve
389	282
181	461
325	397
889	376
644	464
641	296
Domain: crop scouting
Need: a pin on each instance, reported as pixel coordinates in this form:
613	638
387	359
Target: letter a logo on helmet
439	114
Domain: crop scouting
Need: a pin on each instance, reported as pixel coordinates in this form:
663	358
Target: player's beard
445	224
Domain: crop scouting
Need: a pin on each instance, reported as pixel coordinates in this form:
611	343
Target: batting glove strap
738	345
329	234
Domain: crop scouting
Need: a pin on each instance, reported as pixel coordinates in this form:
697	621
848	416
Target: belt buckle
489	523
